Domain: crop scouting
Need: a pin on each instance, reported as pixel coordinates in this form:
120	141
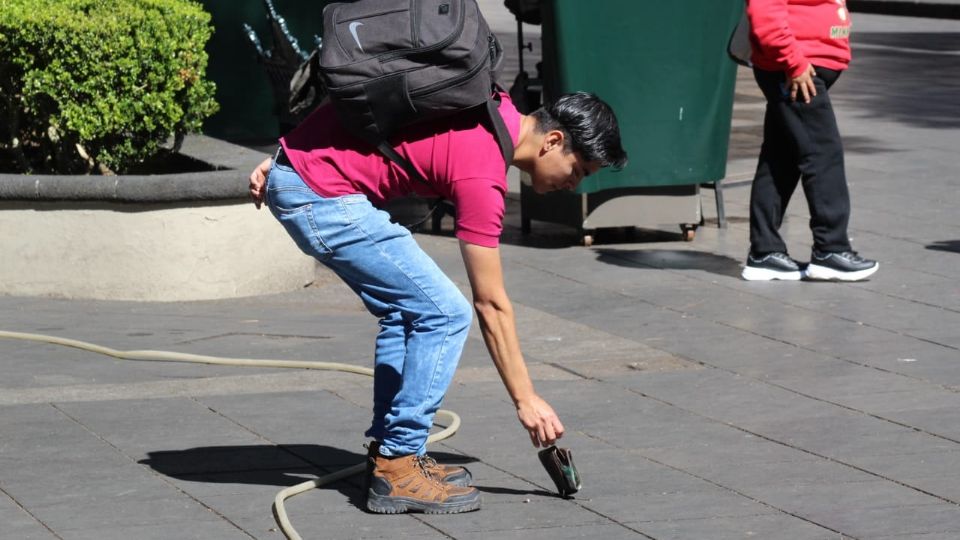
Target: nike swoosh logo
353	32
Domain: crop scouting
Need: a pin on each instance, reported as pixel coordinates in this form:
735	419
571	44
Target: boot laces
424	463
429	462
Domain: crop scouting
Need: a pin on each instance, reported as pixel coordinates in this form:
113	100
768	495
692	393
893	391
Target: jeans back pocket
292	203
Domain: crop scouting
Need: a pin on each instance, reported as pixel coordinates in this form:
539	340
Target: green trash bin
664	69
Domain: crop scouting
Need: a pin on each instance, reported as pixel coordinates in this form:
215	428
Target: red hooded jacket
789	35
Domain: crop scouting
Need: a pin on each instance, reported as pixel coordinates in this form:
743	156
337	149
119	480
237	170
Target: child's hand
803	83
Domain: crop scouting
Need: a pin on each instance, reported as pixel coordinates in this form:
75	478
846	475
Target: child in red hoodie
799	49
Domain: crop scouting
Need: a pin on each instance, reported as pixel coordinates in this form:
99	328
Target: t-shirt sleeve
480	207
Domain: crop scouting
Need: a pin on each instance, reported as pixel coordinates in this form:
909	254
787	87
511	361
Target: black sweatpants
800	142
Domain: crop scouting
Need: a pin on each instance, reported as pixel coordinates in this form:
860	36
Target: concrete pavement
699	406
937	9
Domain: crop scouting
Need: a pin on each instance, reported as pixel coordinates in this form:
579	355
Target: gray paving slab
883	403
777	526
737	448
552	512
18	523
706	502
728	397
921	536
138	427
847	438
613	532
48	444
836	500
277	416
314	380
925	361
835	380
941	486
84	481
871	523
922	471
783	475
188	530
939	421
125	511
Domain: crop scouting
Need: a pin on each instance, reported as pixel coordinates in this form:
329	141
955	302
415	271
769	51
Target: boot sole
381	504
825	273
751	273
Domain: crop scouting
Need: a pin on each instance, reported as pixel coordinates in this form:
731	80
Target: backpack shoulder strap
500	130
384	148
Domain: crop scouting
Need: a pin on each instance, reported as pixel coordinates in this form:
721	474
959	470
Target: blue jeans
424	318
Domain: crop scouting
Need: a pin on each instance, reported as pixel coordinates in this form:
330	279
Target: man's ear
552	139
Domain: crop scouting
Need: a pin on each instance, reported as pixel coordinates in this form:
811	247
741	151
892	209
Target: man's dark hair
589	126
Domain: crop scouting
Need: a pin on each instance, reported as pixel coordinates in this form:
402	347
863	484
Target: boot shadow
282	465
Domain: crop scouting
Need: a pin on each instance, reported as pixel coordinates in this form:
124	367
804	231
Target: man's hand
258	182
803	83
540	421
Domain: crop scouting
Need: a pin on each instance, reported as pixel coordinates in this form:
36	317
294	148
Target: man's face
555	169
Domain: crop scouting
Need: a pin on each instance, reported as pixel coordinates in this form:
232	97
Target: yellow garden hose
449	417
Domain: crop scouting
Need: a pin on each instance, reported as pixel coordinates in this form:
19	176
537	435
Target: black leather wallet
559	465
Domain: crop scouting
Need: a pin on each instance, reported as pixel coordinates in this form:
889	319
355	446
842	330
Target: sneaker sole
825	273
751	273
384	504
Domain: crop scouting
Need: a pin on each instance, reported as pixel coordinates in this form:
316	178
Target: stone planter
190	236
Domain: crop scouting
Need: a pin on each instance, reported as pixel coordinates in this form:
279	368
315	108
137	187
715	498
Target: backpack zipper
426	90
386	57
438	86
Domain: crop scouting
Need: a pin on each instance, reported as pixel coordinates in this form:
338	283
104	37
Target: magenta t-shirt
458	156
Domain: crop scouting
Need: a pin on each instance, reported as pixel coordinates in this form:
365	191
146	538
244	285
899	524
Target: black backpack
389	64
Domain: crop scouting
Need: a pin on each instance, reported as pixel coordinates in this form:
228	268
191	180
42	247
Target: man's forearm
498	326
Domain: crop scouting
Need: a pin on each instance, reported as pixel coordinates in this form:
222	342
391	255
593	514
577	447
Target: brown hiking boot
403	484
451	474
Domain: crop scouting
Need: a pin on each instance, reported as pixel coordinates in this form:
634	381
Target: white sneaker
776	265
839	266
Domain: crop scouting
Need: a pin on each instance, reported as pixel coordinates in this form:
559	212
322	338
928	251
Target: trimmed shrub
99	85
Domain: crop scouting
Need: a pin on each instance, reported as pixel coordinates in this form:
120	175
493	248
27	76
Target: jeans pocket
302	227
282	167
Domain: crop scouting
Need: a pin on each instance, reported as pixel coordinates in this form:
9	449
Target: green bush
99	85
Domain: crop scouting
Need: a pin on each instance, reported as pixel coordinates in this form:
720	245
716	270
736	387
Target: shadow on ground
553	236
952	246
670	259
282	465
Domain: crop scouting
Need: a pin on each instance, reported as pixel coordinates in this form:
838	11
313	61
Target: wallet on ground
559	465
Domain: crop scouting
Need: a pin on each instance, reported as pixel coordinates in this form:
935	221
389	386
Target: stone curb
228	182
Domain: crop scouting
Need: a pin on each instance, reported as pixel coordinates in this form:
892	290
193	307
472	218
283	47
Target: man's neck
527	143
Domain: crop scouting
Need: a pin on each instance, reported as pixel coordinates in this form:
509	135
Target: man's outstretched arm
498	325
